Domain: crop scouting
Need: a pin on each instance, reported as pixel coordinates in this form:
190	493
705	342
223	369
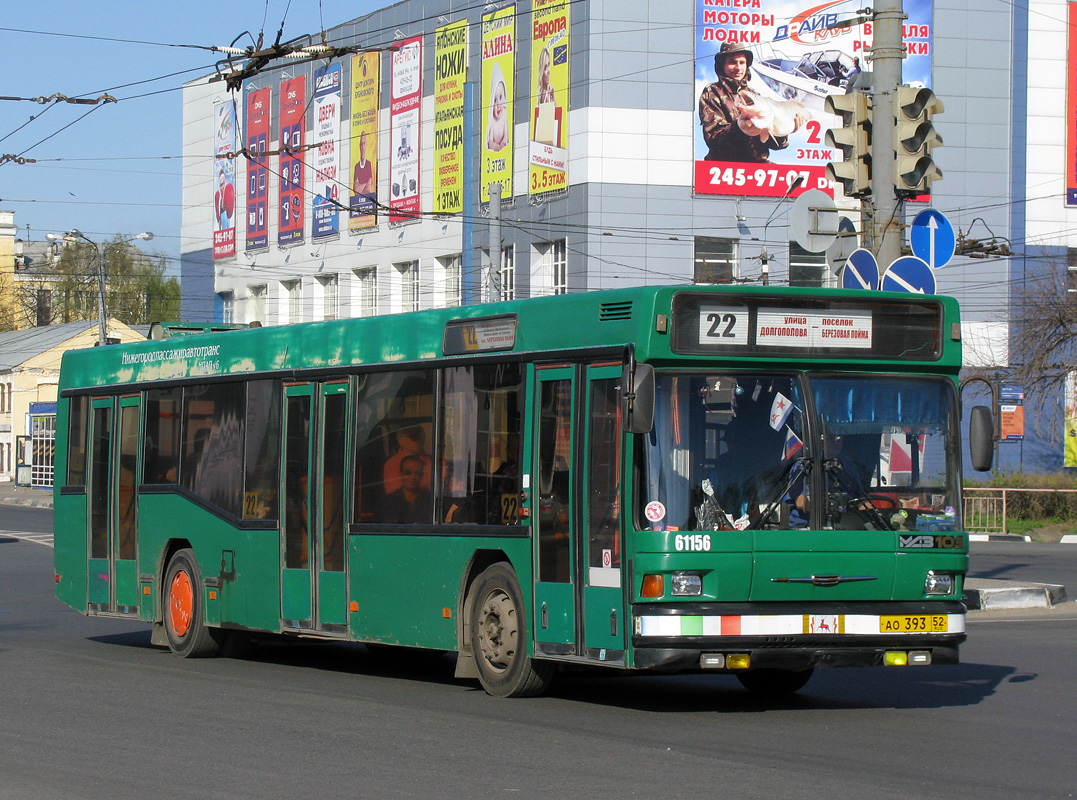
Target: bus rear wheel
185	625
499	637
774	682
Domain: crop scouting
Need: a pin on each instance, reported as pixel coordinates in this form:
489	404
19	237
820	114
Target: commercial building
370	181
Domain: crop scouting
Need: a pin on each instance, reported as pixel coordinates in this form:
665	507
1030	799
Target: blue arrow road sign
932	238
909	274
861	271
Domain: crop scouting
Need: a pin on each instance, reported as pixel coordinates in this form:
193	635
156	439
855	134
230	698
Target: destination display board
485	335
907	331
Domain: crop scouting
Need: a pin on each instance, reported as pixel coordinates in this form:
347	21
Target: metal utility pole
886	210
102	331
494	276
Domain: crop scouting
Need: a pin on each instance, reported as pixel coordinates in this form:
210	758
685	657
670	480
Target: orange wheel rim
181	603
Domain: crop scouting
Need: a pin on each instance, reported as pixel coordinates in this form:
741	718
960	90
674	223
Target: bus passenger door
600	501
113	510
315	441
552	511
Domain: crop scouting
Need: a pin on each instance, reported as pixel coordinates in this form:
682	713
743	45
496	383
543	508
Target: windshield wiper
796	469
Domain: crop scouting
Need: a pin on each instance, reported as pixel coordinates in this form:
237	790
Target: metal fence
985	509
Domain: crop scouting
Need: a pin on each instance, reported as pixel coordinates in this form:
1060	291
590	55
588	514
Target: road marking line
45	539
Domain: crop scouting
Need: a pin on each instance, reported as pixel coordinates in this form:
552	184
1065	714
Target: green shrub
1056	506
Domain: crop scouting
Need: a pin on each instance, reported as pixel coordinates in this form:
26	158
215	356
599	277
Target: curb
1033	595
27	503
999	537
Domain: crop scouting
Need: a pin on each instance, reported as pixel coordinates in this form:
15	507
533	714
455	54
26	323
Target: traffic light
853	138
914	138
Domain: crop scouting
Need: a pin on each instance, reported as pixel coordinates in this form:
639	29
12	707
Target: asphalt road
1025	561
90	709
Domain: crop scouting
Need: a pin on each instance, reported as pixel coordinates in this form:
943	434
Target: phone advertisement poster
257	127
293	106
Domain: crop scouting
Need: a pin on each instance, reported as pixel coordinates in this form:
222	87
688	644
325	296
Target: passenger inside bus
410	503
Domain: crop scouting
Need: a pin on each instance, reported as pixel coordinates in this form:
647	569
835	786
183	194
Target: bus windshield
737	450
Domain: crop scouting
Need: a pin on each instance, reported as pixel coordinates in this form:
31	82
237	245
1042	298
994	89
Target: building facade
29	380
604	170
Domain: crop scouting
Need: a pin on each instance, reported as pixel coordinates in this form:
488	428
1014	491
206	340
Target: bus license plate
913	623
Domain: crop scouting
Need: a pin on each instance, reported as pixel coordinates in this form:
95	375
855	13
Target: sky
114	168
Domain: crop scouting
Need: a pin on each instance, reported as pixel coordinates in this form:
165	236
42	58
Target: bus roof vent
608	312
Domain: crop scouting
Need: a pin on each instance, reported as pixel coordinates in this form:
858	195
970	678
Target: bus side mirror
637	397
981	438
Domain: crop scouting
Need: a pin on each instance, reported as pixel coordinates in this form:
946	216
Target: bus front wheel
774	681
499	637
184	615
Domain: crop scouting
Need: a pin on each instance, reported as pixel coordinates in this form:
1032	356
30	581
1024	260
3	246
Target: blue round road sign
909	274
932	238
861	271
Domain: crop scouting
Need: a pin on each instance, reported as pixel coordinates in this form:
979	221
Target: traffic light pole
884	208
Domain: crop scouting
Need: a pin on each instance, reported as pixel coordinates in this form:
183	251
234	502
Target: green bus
729	479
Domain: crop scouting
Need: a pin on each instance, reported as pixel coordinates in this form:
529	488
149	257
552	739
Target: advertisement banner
548	148
1070	437
326	164
405	104
293	105
450	74
1012	413
762	75
498	86
224	180
363	203
1071	107
257	128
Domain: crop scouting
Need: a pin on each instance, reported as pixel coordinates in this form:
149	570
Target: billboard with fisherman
762	73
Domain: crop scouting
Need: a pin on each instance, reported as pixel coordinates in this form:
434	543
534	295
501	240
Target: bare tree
1043	340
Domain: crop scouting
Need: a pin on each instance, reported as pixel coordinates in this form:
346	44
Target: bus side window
262	449
394	424
480	447
162	445
76	441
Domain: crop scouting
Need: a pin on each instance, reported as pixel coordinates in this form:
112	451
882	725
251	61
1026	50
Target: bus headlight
685	584
939	583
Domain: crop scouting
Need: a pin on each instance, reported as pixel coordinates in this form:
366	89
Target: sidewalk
24	496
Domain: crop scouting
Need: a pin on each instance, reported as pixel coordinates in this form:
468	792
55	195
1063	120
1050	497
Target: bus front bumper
676	637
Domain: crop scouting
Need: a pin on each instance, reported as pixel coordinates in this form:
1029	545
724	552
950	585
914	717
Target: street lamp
74	233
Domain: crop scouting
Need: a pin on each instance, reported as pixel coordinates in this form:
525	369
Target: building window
550	273
294	292
507	273
409	285
256	309
44	307
330	301
806	269
228	307
1071	275
366	281
451	265
715	260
